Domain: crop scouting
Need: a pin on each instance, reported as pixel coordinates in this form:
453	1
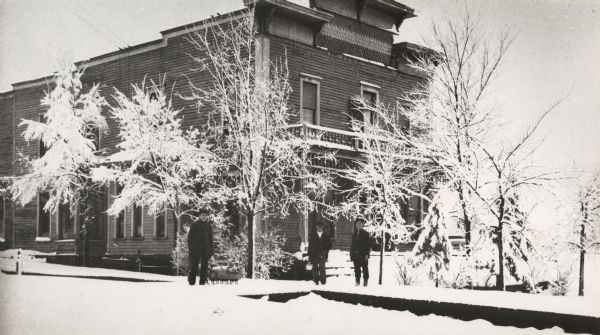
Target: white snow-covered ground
58	305
39	266
339	265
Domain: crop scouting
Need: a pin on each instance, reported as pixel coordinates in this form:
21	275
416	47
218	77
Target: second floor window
93	133
310	101
370	97
41	146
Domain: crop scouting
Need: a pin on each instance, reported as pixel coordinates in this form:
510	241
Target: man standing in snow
359	251
200	246
318	251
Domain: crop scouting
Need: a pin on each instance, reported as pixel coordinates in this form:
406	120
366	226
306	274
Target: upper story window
43	216
402	107
93	133
310	104
42	148
370	93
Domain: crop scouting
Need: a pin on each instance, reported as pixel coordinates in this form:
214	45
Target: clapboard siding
169	62
341	79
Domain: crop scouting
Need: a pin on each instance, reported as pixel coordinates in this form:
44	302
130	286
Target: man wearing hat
200	246
360	250
319	244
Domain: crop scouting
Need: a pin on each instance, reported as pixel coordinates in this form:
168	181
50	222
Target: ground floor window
2	219
120	218
43	216
160	224
137	221
66	222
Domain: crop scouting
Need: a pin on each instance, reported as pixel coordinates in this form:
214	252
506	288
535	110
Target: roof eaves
293	8
188	26
394	6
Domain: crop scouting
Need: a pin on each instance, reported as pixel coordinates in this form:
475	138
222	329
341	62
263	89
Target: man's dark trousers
361	264
318	269
196	259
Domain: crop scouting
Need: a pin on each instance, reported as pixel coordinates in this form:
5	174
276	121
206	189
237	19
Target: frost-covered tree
68	130
432	249
506	173
485	170
249	115
587	220
388	175
451	106
158	165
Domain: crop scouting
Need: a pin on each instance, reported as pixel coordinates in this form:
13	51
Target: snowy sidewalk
40	267
573	305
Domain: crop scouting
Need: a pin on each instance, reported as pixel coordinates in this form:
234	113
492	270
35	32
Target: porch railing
336	138
339	138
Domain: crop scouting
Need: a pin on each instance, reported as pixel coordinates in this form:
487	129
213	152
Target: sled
218	275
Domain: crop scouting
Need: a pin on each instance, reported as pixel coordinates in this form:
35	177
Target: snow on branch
68	130
159	165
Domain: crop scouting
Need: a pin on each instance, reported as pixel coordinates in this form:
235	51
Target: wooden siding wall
6	144
148	243
170	65
341	80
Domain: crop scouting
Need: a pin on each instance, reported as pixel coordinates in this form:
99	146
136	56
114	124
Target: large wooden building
335	49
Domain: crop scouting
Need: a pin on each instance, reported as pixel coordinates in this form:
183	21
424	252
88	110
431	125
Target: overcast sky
557	51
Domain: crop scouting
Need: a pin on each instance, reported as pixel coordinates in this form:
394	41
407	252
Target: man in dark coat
359	251
200	246
318	251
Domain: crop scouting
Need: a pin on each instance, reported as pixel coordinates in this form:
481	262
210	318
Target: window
371	96
43	216
41	146
93	133
160	224
120	218
2	219
310	103
402	108
137	221
66	222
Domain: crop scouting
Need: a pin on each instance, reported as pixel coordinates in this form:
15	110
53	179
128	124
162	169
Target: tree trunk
85	248
251	251
176	230
581	259
466	220
381	249
500	245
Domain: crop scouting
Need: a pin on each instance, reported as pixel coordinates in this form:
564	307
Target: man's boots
366	282
358	282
